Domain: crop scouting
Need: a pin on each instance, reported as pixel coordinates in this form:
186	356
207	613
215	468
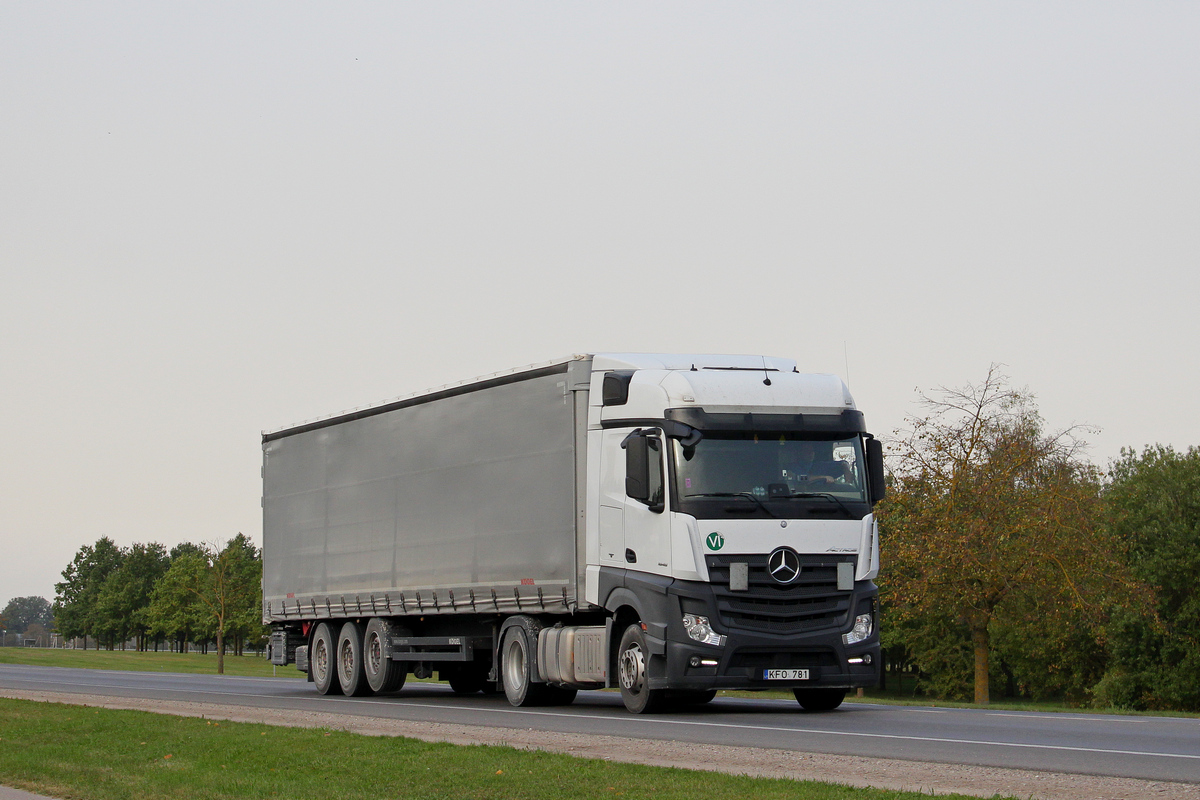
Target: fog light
694	661
864	624
863	659
699	629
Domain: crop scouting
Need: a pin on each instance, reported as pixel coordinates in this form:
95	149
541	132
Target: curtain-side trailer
669	525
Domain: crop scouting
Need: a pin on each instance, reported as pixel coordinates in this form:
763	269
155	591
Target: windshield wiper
745	495
822	495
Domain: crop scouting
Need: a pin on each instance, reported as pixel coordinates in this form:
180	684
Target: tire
465	679
383	674
819	699
350	661
516	661
632	658
322	662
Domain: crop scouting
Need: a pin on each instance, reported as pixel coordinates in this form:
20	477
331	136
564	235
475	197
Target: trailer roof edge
449	390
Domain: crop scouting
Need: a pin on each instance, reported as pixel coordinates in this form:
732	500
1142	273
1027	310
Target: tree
175	610
75	602
209	589
124	596
991	524
245	622
1154	502
21	612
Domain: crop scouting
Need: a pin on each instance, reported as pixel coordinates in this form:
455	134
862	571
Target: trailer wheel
632	656
383	674
322	665
351	675
819	699
516	663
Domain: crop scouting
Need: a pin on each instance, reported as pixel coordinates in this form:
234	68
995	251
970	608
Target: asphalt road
1150	748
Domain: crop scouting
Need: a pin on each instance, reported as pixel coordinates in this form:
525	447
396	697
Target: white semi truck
669	525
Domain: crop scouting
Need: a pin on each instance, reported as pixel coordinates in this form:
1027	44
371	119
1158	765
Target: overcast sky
220	218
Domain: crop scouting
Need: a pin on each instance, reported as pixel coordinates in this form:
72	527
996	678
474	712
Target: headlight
697	628
864	624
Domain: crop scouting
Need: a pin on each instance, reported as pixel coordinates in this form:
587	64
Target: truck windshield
773	475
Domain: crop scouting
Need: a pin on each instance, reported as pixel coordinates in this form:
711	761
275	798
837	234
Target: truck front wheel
350	661
632	658
323	658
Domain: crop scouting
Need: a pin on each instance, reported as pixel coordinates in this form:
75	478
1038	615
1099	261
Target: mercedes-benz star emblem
783	565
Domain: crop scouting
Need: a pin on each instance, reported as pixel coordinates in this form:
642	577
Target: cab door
647	521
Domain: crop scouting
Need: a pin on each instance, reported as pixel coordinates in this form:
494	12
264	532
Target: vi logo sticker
715	541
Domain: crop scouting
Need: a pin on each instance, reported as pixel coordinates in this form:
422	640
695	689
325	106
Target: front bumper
746	655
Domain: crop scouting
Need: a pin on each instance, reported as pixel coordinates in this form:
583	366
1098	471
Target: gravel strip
883	773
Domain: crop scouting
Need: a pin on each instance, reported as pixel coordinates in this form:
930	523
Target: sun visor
848	421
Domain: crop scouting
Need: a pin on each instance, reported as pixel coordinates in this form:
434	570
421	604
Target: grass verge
97	754
246	666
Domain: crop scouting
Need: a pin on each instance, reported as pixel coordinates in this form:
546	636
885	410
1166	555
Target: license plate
785	674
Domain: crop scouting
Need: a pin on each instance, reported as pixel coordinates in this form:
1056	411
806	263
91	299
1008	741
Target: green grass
100	754
247	666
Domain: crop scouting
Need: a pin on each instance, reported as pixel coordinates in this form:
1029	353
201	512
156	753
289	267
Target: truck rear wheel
632	658
383	674
515	664
819	699
323	659
350	672
516	671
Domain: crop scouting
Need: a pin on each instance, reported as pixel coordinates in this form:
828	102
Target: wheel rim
321	660
346	660
374	660
632	669
514	664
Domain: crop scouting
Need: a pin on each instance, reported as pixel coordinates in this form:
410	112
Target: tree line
26	617
1012	567
193	593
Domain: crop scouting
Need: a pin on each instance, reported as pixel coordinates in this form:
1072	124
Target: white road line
660	721
1066	717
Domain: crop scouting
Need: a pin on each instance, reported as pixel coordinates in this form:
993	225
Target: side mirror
637	467
875	474
643	470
